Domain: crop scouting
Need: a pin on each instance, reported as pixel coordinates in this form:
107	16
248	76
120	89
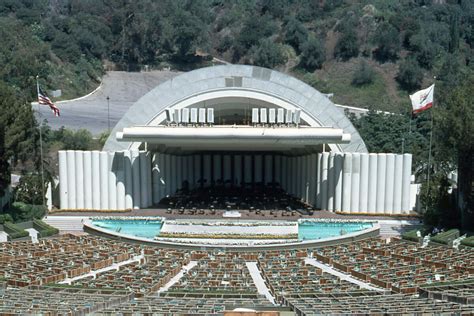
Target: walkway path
33	235
340	275
178	276
115	266
259	282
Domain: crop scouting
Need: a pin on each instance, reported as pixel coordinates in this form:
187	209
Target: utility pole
108	113
41	146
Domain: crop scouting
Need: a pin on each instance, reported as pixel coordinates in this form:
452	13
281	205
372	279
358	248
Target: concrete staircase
389	228
65	223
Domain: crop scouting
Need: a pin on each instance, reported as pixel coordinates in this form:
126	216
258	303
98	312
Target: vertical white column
237	170
347	182
179	172
174	174
112	181
207	169
120	175
96	182
292	175
104	180
217	168
71	179
313	178
397	190
247	169
319	173
325	181
278	170
63	193
79	170
87	167
227	168
268	168
381	182
389	183
258	168
128	180
149	186
331	182
284	173
143	180
191	172
136	178
372	192
364	183
198	173
355	183
301	177
406	183
338	164
155	174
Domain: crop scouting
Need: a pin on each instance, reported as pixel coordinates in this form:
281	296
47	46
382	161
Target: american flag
44	100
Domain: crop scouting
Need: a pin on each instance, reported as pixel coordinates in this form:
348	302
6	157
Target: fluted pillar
372	192
355	182
331	182
104	180
406	183
397	190
128	180
87	160
325	181
347	182
63	180
278	170
381	182
79	171
112	181
338	164
268	169
237	170
136	179
120	177
96	182
389	183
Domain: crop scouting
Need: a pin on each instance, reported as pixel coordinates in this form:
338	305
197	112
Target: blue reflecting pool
144	228
311	230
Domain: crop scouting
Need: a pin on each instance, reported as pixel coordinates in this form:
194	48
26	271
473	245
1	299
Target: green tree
347	45
268	54
313	54
387	42
363	75
295	33
29	189
410	75
4	165
455	134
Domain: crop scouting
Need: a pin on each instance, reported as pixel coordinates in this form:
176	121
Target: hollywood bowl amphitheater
234	190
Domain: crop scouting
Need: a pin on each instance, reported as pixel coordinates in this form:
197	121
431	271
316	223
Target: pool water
318	230
307	230
138	228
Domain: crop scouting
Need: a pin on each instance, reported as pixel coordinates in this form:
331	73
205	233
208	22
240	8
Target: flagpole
429	152
41	146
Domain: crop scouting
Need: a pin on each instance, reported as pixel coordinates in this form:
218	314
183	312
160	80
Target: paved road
123	88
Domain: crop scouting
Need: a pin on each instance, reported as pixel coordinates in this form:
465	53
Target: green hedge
446	237
22	212
44	229
469	241
14	231
411	234
5	218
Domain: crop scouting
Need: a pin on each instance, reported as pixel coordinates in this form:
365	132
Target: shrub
410	75
26	212
5	218
44	229
312	54
468	241
14	231
411	235
347	46
363	75
446	237
268	54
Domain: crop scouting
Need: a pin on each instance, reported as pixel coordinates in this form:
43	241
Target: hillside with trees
370	54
